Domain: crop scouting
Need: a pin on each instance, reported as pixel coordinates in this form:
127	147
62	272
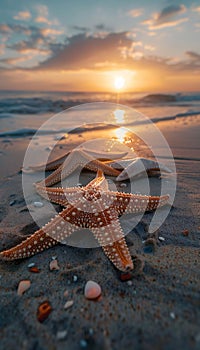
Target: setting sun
119	82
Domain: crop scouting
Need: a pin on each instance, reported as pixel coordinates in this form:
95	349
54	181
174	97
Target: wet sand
158	309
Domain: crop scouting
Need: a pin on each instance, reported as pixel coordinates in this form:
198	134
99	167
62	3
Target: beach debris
61	335
185	233
68	304
38	204
23	287
66	293
53	265
43	311
162	239
75	278
83	343
92	290
172	315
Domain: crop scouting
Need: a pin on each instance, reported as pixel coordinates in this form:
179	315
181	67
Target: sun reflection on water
119	115
121	133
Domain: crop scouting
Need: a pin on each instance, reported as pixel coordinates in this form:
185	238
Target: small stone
43	311
172	315
34	269
48	148
31	265
79	184
66	293
68	304
61	335
38	204
83	343
23	286
125	276
92	290
130	283
54	257
12	203
185	233
54	265
162	239
75	278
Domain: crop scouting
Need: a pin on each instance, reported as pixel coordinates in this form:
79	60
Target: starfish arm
111	239
52	165
133	203
77	159
57	230
59	195
138	166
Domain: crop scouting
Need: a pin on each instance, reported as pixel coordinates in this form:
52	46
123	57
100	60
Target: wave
55	102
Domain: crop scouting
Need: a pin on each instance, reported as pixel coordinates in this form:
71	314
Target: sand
158	309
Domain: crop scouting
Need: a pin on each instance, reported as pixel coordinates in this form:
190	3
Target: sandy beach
159	308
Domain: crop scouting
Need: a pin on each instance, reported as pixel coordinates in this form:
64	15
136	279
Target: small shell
92	290
23	286
162	239
54	265
68	304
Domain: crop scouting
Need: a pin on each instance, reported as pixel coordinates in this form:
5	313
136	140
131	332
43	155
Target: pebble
43	311
34	269
54	265
172	315
162	239
54	257
185	233
68	304
75	278
130	283
12	203
61	335
23	286
66	293
79	184
83	343
92	290
38	204
31	265
48	148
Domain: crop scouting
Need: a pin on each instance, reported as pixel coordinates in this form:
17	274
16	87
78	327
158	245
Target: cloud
193	55
43	14
196	9
136	12
83	51
166	18
23	16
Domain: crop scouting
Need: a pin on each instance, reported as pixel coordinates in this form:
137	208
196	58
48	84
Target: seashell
23	286
54	265
43	311
68	304
92	290
162	239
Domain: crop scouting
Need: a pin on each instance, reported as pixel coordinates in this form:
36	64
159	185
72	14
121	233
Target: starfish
94	207
78	158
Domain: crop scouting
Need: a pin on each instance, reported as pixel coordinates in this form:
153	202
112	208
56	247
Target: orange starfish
95	207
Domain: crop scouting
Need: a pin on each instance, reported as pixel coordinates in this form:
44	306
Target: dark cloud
83	51
167	17
169	12
193	55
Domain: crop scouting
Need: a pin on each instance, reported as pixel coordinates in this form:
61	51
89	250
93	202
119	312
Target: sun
119	82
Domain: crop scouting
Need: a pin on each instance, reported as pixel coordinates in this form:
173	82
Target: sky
85	45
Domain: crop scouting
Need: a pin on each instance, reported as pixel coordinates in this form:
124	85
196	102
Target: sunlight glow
119	82
119	115
121	133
